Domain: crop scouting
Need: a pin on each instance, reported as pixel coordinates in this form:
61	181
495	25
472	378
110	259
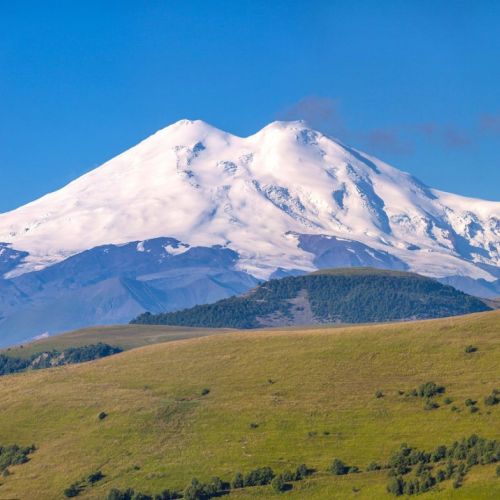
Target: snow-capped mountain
194	201
257	195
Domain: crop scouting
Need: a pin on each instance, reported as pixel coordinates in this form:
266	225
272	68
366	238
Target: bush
72	491
278	484
474	409
301	472
470	349
205	391
440	476
238	481
338	468
447	401
430	389
430	405
491	400
259	477
128	494
195	491
379	394
498	471
94	477
470	402
102	415
396	486
373	466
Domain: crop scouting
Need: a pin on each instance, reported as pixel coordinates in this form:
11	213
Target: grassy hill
353	295
276	398
124	336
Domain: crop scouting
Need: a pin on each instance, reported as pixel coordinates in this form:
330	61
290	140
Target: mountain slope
355	295
277	398
112	284
193	214
258	196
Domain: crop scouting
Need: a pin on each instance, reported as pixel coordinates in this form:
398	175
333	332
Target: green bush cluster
197	490
339	468
73	490
492	399
430	389
415	471
11	364
14	455
130	494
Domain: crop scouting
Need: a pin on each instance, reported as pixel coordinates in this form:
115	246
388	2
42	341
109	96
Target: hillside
124	336
194	214
355	295
277	398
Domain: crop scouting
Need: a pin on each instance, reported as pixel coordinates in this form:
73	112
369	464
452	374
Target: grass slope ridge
277	398
358	295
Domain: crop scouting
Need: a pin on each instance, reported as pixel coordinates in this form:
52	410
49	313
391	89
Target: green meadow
275	398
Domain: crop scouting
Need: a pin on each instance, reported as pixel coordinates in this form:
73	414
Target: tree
338	468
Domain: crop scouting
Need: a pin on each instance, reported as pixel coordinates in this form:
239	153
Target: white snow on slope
203	186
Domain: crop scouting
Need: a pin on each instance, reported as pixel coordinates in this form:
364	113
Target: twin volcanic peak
285	198
193	215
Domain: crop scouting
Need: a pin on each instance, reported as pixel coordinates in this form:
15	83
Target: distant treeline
346	298
11	364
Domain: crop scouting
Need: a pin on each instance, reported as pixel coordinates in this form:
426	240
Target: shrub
440	476
115	494
470	402
498	471
72	491
94	477
238	481
259	477
379	394
474	409
430	389
167	495
278	484
470	349
301	472
430	405
396	486
447	401
491	400
102	415
205	391
195	491
338	468
373	466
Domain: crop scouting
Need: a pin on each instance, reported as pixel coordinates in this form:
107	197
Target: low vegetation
311	392
72	355
14	455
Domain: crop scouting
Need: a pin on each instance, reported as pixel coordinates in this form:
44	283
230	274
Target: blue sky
414	83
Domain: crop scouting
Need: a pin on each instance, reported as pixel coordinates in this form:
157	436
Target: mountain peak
258	195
